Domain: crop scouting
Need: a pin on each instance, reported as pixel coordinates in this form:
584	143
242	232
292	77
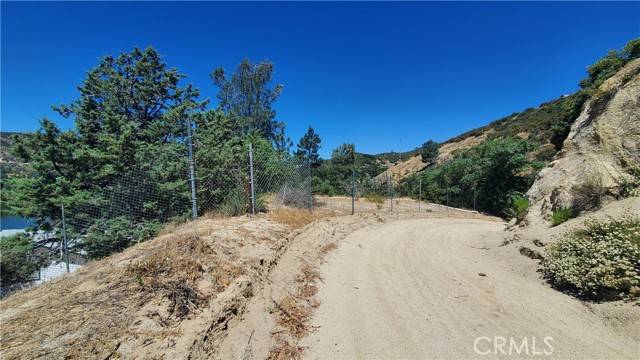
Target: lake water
14	223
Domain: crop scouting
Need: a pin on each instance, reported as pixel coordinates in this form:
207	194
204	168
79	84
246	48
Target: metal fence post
353	191
419	193
310	189
390	189
64	239
447	196
475	193
192	171
251	181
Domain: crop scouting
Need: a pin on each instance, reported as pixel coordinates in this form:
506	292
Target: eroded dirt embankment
170	297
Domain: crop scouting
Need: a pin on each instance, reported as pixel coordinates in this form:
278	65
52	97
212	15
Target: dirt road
443	288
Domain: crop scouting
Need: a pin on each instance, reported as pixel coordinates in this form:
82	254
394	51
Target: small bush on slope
116	234
519	207
561	215
630	187
18	261
376	199
601	261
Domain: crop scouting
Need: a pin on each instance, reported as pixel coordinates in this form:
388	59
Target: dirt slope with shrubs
169	297
600	158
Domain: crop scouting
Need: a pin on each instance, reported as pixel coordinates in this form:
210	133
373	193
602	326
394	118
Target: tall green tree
344	155
247	97
221	156
308	147
429	151
130	129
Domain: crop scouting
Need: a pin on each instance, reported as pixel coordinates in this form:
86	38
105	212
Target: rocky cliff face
601	152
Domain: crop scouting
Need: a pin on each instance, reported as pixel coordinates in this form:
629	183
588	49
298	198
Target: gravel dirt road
444	288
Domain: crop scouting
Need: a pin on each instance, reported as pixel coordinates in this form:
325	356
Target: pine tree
308	147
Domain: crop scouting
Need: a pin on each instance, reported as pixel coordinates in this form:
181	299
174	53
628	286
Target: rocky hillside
413	164
600	157
535	124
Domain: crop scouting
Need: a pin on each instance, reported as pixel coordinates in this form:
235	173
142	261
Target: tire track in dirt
428	288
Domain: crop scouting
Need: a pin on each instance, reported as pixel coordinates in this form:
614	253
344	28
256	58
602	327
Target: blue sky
385	76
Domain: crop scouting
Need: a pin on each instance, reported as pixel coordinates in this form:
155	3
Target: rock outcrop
601	151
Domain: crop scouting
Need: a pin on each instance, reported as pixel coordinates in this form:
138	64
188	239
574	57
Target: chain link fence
179	181
135	205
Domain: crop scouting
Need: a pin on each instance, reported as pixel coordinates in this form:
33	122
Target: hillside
533	124
601	156
242	260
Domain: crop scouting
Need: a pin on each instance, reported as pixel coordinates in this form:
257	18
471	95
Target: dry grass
134	298
134	303
306	285
75	319
292	217
285	351
327	248
295	310
293	316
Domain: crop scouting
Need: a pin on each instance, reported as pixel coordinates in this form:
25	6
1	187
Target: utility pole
64	239
192	171
251	181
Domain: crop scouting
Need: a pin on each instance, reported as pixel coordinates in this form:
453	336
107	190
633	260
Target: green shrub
327	189
519	207
236	203
261	202
375	198
19	260
113	235
630	187
561	215
601	261
322	187
483	177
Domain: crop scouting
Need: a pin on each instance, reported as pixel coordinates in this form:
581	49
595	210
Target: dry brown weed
294	218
